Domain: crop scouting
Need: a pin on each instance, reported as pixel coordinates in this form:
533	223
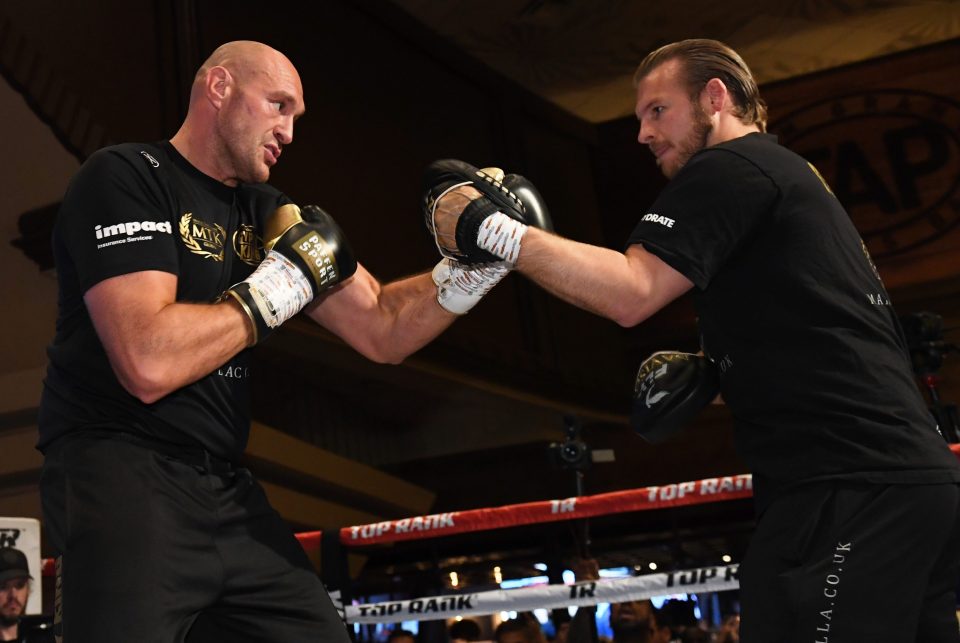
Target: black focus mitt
456	226
670	389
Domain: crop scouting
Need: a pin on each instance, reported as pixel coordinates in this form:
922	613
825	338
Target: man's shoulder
265	195
751	141
755	147
118	171
261	188
724	162
141	156
755	152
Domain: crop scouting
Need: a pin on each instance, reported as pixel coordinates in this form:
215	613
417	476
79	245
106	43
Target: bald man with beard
173	260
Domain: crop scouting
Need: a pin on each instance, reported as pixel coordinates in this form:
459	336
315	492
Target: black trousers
854	563
153	548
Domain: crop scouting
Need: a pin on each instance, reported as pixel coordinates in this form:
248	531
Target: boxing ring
707	579
680	494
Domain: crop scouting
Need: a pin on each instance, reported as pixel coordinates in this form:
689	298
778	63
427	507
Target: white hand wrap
460	287
279	288
501	235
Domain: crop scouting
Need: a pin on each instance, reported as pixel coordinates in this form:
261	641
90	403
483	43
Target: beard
10	617
695	141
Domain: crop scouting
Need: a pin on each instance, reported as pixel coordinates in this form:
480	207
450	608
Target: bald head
243	103
244	59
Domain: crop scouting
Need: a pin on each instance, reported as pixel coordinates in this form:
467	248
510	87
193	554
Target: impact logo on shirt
247	245
202	238
656	218
129	229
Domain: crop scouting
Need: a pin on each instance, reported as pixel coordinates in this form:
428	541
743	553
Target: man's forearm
599	280
385	323
179	345
417	317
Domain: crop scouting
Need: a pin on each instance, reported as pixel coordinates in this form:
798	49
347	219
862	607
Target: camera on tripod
572	453
924	335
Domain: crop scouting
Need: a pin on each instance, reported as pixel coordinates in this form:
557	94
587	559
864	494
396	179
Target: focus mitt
485	228
670	389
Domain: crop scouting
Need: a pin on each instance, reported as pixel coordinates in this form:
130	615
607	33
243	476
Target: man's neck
181	142
729	130
198	155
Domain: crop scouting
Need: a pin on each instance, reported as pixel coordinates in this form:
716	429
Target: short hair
399	633
530	630
703	59
465	629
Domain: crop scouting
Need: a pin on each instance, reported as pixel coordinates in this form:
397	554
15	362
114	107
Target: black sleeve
114	219
266	199
708	210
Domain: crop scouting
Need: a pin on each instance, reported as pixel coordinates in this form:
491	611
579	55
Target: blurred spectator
630	622
464	631
401	636
563	629
638	622
729	631
15	585
523	629
695	634
680	616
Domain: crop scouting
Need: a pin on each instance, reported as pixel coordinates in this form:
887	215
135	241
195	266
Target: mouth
658	151
273	154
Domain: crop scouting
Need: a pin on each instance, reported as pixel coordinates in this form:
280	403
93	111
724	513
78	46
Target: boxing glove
306	253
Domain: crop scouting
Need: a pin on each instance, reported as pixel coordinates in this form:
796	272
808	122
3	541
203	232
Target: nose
645	135
284	131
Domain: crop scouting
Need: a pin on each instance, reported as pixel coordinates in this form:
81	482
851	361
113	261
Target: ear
714	96
218	84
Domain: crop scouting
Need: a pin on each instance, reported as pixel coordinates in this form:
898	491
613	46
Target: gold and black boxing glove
307	253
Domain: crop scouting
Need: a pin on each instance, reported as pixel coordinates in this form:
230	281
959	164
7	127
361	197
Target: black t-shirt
813	363
136	207
35	629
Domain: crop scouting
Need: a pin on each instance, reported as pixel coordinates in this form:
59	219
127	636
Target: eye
278	104
658	110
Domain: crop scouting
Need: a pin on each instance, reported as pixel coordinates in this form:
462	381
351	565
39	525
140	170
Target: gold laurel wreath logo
192	244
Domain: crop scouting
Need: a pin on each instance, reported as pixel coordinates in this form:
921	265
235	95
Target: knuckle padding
440	175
